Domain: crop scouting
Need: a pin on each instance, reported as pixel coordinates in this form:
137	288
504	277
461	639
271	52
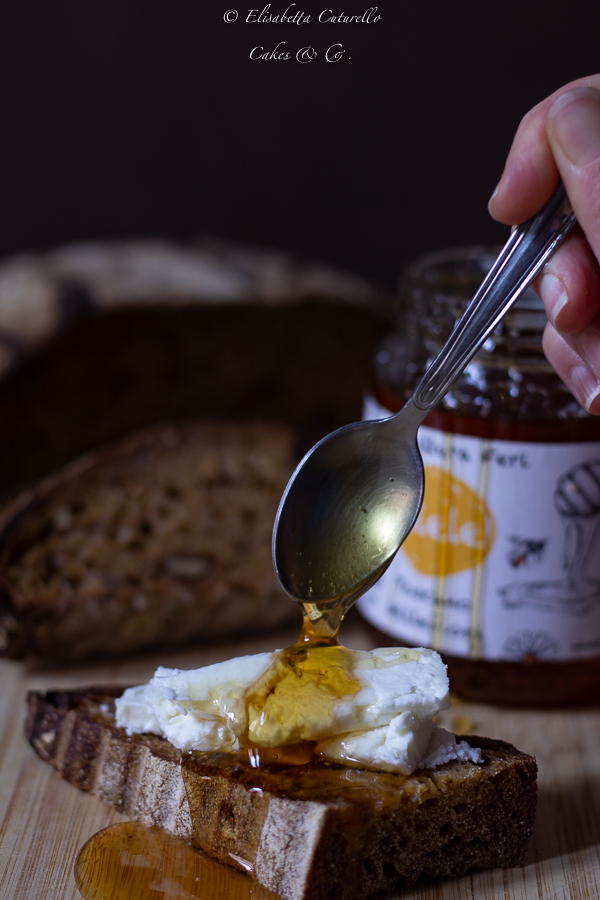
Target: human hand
561	137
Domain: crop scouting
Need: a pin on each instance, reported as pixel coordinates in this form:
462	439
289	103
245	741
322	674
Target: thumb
573	132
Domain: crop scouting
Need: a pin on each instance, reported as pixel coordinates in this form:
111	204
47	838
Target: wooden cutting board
46	821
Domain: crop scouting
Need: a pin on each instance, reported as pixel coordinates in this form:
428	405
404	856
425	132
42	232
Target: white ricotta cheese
384	721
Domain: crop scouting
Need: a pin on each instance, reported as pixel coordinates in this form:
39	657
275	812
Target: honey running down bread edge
310	832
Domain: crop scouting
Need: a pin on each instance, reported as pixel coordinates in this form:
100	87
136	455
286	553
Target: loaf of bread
158	539
100	339
312	832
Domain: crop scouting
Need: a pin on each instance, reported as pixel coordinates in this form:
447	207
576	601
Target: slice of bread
309	832
99	339
159	539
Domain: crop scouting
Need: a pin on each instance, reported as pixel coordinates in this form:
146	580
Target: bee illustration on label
525	550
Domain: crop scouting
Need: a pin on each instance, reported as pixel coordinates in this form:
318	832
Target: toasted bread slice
162	537
309	832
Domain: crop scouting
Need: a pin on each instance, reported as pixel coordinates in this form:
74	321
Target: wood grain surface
46	821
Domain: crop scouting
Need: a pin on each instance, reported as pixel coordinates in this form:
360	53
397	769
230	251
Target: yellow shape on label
455	529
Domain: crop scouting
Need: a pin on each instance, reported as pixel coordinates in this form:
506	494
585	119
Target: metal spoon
355	496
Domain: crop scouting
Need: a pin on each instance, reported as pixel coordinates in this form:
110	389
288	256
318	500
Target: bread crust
310	832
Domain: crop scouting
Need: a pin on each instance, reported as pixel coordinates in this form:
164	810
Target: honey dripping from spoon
299	686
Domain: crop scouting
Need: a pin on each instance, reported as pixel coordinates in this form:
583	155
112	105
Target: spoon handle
520	260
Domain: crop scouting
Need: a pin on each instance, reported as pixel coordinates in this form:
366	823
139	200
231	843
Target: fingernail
589	343
553	294
575	120
584	385
492	198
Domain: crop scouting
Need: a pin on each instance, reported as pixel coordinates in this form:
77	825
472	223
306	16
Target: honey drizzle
129	861
301	684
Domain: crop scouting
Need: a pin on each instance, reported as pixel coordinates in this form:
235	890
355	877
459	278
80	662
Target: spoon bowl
351	503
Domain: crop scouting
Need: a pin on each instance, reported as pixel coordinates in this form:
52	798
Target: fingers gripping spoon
355	496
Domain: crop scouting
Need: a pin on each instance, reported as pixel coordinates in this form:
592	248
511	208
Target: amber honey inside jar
501	573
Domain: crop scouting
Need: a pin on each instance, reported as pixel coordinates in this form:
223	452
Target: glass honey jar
501	573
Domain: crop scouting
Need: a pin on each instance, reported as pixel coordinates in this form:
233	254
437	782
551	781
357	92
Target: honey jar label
504	560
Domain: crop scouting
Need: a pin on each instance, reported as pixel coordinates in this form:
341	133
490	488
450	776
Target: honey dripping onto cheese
129	861
302	683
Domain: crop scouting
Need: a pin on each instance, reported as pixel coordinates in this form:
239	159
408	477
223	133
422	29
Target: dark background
149	118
